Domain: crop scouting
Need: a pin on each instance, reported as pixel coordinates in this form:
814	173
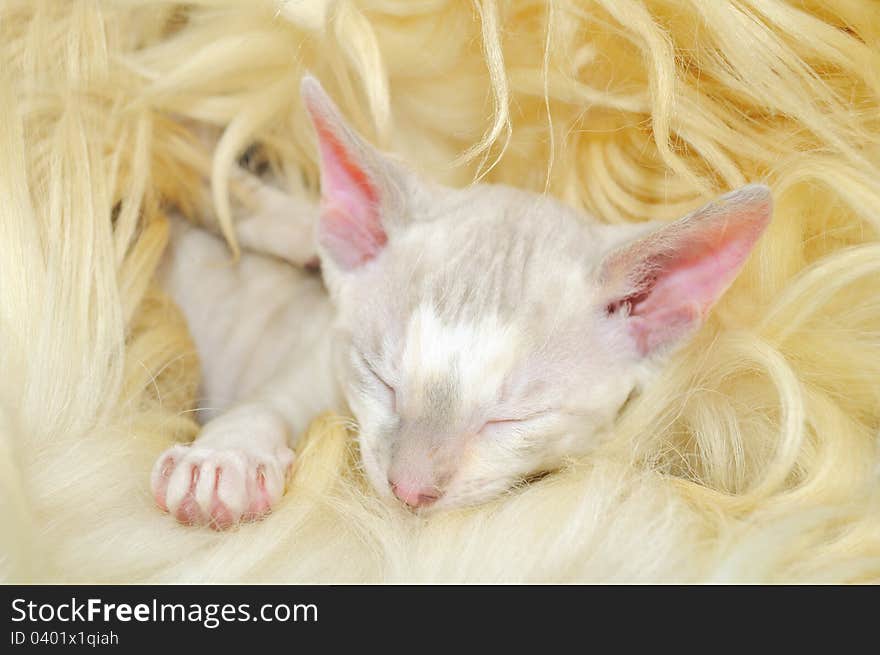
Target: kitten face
484	334
472	351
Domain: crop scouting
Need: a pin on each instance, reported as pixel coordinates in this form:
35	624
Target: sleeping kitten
477	335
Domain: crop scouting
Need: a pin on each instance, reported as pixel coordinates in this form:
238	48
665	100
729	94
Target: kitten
477	335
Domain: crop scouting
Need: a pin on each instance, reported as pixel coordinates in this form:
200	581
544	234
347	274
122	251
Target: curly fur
754	459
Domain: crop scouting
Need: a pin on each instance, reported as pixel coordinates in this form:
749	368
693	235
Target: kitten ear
667	281
356	184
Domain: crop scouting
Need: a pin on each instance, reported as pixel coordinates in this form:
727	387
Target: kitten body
477	335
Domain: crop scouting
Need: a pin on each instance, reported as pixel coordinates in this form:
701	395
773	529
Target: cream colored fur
753	459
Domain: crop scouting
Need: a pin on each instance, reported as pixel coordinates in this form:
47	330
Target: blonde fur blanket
754	459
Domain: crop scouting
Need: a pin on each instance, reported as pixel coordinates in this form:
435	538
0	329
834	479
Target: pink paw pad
219	488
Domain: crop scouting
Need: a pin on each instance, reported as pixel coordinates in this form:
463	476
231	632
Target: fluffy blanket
754	459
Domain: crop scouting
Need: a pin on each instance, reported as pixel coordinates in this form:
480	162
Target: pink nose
413	495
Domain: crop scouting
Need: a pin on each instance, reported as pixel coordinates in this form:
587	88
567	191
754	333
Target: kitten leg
270	221
281	225
267	220
236	470
261	329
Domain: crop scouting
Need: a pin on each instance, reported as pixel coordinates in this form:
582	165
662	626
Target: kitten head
486	333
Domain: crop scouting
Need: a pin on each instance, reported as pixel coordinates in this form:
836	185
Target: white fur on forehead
473	356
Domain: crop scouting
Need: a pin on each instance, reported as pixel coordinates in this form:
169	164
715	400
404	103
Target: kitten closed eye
382	382
513	423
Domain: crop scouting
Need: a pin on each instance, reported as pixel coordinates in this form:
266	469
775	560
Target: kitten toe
220	487
180	497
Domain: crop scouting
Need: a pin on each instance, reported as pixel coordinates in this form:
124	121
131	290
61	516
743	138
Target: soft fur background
754	459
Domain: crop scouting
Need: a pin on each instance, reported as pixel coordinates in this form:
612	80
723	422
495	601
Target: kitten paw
219	487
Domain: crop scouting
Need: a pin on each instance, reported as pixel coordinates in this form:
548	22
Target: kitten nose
414	495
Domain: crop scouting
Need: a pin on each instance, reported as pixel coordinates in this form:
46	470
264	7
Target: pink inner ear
351	227
688	276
